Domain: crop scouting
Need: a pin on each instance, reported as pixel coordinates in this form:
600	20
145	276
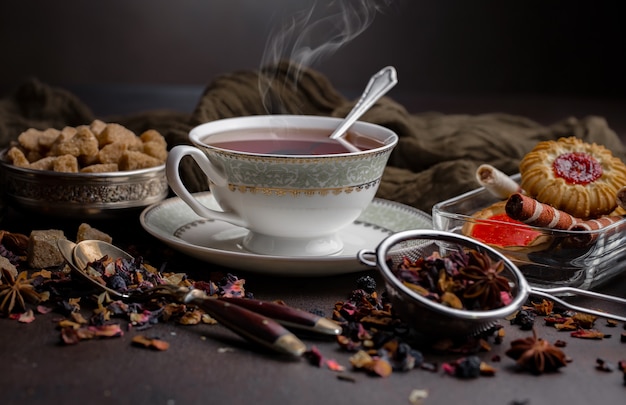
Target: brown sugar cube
112	152
16	156
7	265
67	132
86	141
100	168
42	249
84	161
116	133
35	155
43	163
65	164
155	149
133	160
97	126
29	139
83	142
47	138
87	232
59	144
37	142
152	135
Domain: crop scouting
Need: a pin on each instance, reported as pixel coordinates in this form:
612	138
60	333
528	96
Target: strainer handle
547	293
363	256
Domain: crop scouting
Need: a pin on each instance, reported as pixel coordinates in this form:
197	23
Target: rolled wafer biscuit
532	212
585	238
496	182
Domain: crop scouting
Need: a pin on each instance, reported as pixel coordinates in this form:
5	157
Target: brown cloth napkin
436	157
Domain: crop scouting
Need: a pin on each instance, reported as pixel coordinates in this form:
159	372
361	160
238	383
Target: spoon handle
248	324
288	316
378	85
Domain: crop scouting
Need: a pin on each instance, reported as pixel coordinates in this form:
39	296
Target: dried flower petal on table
150	343
232	286
78	318
192	317
417	397
536	355
209	287
374	365
544	307
26	317
585	321
71	335
315	357
588	334
603	365
15	291
465	367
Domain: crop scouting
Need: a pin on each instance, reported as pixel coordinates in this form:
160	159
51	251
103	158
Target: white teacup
283	179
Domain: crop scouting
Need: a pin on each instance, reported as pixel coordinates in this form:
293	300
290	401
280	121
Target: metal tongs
258	321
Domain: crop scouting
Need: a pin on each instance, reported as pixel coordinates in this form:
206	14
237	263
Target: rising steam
310	35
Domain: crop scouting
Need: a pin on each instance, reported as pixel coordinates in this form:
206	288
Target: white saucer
174	223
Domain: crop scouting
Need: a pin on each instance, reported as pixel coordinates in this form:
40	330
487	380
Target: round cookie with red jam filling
494	227
571	175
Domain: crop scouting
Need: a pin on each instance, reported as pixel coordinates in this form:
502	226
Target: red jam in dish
502	234
577	168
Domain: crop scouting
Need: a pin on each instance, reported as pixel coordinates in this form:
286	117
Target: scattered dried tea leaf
584	321
43	309
192	317
150	343
345	377
26	317
603	365
333	365
544	307
418	396
588	334
78	318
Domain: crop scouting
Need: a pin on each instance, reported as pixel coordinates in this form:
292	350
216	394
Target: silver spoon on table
254	320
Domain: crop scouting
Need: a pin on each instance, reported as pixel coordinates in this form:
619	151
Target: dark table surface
209	364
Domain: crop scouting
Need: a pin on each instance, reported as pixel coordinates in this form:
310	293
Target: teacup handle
174	158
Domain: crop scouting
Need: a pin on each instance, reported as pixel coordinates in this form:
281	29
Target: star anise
14	291
486	284
536	355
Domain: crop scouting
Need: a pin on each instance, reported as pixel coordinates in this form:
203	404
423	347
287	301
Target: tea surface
289	142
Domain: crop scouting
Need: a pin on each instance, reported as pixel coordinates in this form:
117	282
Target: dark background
570	49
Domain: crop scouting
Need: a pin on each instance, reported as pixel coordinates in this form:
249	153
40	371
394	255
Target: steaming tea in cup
284	180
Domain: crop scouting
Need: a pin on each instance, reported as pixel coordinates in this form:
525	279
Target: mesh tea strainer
433	319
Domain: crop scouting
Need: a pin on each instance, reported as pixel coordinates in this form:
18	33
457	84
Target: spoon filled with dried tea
253	320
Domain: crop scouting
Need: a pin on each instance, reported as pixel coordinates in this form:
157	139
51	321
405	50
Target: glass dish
558	262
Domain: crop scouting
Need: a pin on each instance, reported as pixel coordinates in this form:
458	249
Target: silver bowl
81	195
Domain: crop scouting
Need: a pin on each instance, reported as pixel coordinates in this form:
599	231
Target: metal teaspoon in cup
378	85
